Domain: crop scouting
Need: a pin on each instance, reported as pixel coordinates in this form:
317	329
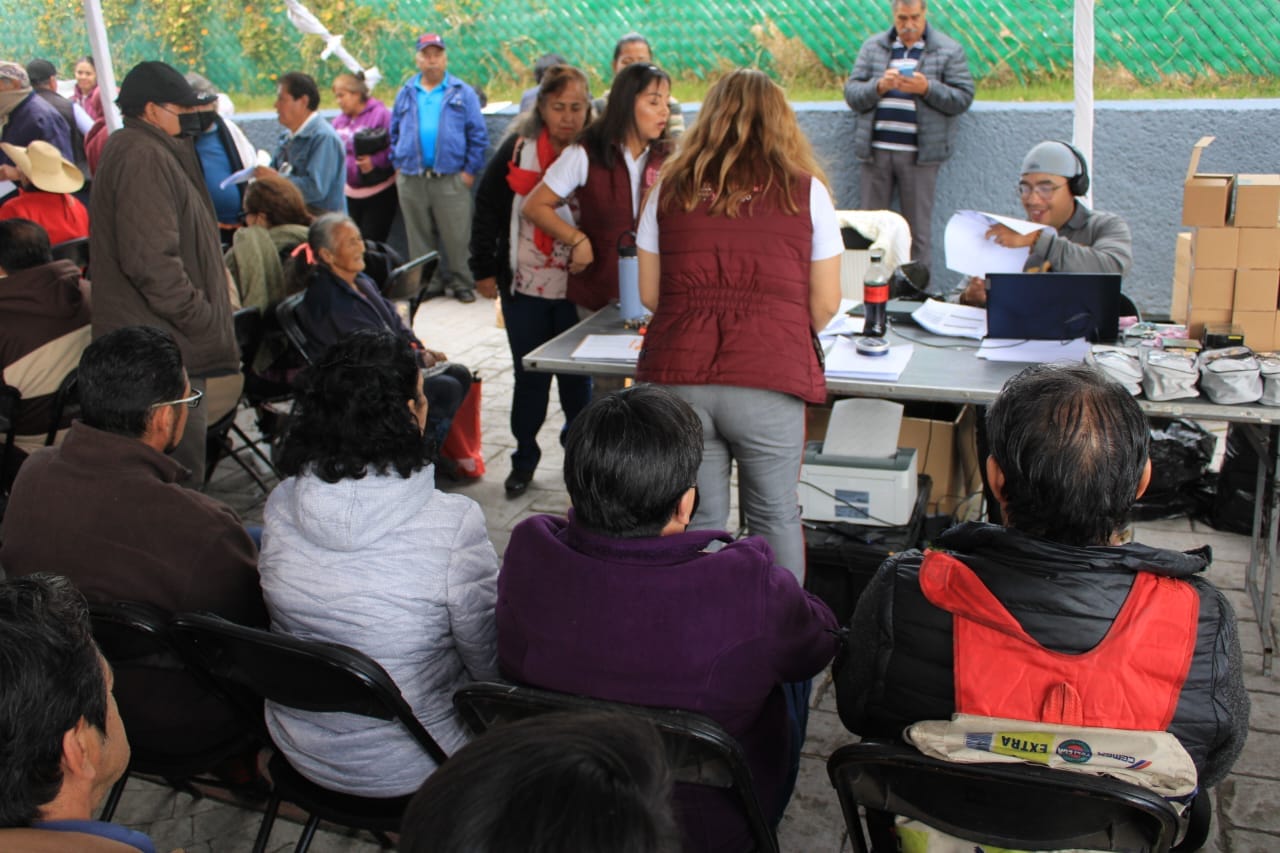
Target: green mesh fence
243	46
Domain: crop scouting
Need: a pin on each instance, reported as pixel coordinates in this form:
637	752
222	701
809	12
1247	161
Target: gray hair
320	234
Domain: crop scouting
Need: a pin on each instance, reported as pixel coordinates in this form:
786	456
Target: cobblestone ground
1247	804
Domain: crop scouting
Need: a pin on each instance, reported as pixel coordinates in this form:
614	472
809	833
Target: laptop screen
1053	306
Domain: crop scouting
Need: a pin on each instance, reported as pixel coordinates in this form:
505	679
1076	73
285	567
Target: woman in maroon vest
740	263
614	161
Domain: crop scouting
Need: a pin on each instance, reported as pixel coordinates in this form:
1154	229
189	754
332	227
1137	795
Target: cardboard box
1259	249
1257	201
1215	248
1181	278
1212	289
1198	317
1206	197
1256	290
1259	329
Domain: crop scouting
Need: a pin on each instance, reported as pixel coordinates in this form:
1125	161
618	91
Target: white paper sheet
1033	352
609	348
845	362
243	176
863	427
842	323
968	250
951	319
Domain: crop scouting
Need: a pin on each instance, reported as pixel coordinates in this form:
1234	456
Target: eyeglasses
1044	189
190	402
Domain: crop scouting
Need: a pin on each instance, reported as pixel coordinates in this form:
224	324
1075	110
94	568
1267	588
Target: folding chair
700	751
218	443
66	405
287	317
1018	806
309	676
76	251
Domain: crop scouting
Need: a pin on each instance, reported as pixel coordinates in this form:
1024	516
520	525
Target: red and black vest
604	211
1130	680
733	306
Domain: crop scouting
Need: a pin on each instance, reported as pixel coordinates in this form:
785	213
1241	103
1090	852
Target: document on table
845	362
609	348
969	251
952	320
842	323
1033	352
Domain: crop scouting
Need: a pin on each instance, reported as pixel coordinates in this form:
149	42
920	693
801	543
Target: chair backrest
287	315
406	279
700	751
129	632
304	674
10	398
1020	806
424	273
76	251
248	328
66	405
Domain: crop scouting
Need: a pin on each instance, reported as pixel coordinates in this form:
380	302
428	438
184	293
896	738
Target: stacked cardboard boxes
1227	270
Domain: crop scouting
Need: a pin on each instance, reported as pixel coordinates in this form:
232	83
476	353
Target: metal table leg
1260	574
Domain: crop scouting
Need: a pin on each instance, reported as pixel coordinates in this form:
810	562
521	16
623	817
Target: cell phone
907	69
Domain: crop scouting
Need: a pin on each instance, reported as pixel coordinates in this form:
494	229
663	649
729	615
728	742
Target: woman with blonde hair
739	254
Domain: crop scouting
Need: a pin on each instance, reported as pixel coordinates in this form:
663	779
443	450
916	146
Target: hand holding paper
971	251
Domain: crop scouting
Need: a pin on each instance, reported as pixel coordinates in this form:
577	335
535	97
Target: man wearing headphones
1086	240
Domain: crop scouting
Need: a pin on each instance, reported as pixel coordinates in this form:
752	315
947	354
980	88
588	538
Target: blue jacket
318	165
461	141
34	119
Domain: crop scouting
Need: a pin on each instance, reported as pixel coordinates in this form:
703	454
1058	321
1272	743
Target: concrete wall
1141	149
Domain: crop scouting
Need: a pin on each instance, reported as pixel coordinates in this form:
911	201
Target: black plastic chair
218	442
308	676
10	397
76	251
415	277
1020	806
66	405
700	751
287	317
135	635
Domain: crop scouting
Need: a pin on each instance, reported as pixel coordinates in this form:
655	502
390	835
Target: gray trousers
439	205
915	183
764	432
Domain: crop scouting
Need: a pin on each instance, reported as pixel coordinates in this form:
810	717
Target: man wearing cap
311	154
438	143
44	82
26	118
1054	174
908	87
45	192
156	256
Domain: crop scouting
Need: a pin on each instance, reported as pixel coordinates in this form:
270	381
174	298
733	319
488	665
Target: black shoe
465	296
517	483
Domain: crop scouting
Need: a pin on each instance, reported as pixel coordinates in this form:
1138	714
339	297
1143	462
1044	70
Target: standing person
371	179
310	153
44	80
86	94
438	142
608	170
629	50
156	256
739	254
908	86
544	63
509	255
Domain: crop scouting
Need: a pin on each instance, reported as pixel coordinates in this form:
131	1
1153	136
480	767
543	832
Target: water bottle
629	304
875	297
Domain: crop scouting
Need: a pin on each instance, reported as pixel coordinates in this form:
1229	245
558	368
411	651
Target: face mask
189	124
206	120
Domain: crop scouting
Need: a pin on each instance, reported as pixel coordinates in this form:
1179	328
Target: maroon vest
604	211
733	305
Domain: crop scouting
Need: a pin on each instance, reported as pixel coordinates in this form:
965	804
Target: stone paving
1247	804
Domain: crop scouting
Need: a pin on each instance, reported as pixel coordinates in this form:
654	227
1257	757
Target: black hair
50	676
602	137
298	85
561	781
630	38
352	414
545	62
1072	445
86	58
123	373
629	458
23	244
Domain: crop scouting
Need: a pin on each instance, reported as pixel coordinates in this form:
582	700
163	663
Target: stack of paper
609	348
970	252
952	320
842	323
1033	352
845	362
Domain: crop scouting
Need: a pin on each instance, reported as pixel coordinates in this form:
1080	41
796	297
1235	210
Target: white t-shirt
569	172
827	242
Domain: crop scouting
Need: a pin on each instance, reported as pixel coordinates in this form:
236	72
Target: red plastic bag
462	444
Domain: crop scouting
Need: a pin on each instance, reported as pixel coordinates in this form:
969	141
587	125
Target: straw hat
45	166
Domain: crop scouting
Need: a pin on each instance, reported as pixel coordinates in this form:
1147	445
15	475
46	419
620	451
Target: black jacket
491	223
896	668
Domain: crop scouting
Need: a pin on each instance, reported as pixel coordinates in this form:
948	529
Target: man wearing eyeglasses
105	509
1082	240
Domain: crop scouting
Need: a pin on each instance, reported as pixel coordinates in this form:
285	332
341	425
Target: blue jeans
532	321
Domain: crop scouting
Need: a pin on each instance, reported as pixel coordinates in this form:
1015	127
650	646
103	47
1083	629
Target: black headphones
1078	185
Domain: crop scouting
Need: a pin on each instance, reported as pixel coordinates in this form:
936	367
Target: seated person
64	745
560	781
1086	240
275	222
27	117
45	192
341	299
106	509
359	548
1029	604
44	326
620	601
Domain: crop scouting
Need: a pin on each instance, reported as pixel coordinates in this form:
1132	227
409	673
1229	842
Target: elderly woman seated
341	299
359	548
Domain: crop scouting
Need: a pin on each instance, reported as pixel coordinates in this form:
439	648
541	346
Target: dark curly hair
351	414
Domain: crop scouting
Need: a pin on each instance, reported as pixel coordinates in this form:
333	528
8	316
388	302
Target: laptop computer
1053	306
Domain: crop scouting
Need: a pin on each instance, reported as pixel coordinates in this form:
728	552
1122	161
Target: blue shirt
111	831
430	102
217	166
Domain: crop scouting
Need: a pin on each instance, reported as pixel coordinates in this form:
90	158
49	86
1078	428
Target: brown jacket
154	243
